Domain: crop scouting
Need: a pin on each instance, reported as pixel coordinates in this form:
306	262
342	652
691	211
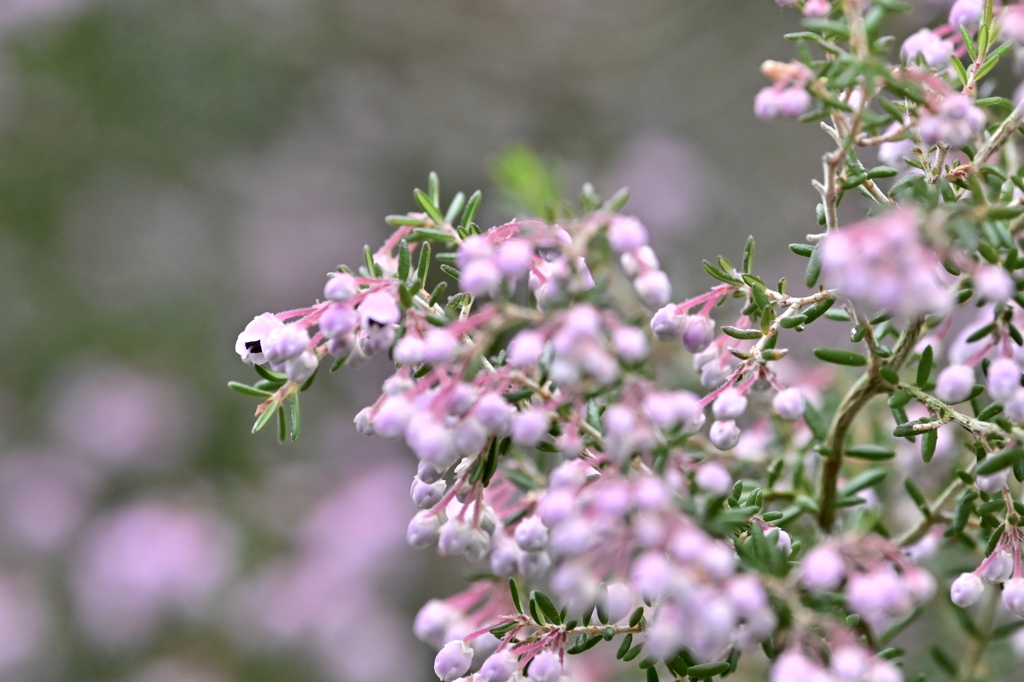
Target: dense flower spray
748	507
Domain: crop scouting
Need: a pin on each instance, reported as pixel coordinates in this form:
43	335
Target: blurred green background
171	168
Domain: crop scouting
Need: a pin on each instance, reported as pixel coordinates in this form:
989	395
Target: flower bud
341	287
966	590
393	416
505	555
426	495
1014	407
966	13
453	660
849	663
1003	379
997	568
766	103
534	565
439	346
789	404
430	441
793	102
454	537
666	324
469	436
993	283
555	506
426	472
341	346
729	404
714	478
494	412
920	584
992	483
545	667
617	602
653	289
499	667
378	308
432	622
531	534
822	569
626	233
479	277
928	45
285	342
955	384
301	367
478	545
630	344
423	530
1013	595
514	257
337	320
363	422
698	331
525	349
724	435
530	426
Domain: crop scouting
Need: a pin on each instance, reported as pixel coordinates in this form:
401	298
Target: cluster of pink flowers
551	453
881	263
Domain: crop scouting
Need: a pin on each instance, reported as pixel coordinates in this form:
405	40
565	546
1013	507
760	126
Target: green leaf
882	172
431	234
1004	212
547	607
264	418
972	49
748	255
804	250
248	390
818	309
958	66
282	425
928	441
792	321
918	497
865	479
450	271
436	294
624	645
841	357
403	260
513	589
813	268
993	59
890	375
583	643
720	275
458	201
815	421
742	334
633	652
924	367
706	670
500	631
636	616
295	421
270	375
405	221
1000	460
434	189
871	452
